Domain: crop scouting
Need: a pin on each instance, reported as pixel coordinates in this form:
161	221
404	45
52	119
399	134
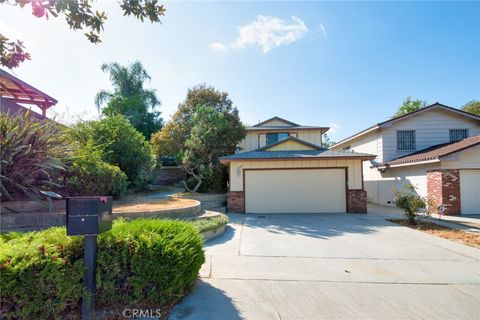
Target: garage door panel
469	199
295	190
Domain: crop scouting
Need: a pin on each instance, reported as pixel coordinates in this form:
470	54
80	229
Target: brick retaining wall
170	175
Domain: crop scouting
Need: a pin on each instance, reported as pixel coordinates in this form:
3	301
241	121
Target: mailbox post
89	216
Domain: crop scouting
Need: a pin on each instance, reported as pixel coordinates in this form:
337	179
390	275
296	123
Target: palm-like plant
130	98
30	153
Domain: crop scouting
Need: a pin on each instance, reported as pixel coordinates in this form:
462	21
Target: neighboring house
436	148
15	92
284	169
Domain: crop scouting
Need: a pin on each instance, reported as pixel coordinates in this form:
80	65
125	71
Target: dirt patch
467	238
147	204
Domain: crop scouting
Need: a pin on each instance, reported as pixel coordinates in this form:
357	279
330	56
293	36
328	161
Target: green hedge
141	262
209	224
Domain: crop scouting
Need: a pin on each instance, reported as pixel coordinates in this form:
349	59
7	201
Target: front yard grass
468	238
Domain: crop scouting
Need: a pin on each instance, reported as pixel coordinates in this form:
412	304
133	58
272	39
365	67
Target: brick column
236	201
357	201
444	189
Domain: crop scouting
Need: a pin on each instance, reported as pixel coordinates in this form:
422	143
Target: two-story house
437	149
281	167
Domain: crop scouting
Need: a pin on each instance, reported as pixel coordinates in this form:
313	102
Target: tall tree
171	139
209	137
326	142
79	14
409	105
472	107
205	126
130	98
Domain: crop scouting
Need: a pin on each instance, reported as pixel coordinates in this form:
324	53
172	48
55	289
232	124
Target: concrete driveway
333	266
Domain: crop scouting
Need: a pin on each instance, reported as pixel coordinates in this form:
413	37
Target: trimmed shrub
141	262
148	261
89	175
210	224
41	274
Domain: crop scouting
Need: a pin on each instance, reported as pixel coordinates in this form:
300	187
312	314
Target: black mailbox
88	215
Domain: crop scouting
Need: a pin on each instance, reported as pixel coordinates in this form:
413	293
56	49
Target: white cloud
322	29
334	128
218	46
270	33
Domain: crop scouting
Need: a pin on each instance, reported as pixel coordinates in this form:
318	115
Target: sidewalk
466	223
469	223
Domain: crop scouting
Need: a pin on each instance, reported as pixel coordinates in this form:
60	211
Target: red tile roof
435	152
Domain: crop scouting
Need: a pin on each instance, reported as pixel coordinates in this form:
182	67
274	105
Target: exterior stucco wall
380	187
354	169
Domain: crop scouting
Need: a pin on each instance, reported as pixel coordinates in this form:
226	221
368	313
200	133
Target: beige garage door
295	191
469	185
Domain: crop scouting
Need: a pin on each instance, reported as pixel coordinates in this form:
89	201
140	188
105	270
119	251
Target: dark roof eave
227	160
276	118
286	128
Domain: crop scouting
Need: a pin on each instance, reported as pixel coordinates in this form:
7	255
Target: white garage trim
469	184
295	190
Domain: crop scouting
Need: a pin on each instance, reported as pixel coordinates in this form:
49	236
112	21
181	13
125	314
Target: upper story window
458	134
406	140
275	137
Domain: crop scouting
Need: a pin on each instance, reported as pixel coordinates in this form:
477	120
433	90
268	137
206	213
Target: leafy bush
141	262
30	153
210	224
410	202
121	145
89	175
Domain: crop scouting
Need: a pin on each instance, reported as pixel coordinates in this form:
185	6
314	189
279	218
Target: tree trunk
411	218
197	177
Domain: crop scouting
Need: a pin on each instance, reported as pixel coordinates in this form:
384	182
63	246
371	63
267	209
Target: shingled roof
297	154
434	153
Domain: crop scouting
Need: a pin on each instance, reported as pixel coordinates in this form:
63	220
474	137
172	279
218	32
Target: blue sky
344	64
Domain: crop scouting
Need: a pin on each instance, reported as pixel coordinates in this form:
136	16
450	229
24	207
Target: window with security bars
458	134
406	140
